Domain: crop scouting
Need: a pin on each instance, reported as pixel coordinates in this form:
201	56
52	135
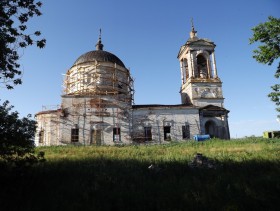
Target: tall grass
237	150
119	178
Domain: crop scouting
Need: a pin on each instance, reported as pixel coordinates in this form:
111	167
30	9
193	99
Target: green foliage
14	15
16	137
268	34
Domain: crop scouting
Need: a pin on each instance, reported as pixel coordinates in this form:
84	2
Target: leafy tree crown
14	15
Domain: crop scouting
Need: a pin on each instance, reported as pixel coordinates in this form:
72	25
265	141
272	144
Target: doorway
210	128
96	136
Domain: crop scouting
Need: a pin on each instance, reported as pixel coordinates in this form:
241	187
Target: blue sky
147	35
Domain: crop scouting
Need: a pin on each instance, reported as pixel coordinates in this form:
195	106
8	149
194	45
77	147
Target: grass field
245	175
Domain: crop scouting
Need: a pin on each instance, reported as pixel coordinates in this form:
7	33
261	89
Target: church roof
100	56
163	106
213	108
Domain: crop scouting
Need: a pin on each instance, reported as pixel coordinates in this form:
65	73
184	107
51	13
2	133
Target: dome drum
98	79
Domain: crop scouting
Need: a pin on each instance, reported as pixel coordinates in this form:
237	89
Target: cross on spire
99	45
193	32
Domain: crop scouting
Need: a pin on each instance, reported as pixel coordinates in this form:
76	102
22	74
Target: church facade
97	104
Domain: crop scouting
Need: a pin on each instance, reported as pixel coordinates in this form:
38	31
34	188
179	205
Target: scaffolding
107	90
99	80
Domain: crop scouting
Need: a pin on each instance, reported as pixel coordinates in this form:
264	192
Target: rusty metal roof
163	106
100	56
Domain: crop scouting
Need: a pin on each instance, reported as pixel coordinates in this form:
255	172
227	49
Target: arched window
202	71
186	68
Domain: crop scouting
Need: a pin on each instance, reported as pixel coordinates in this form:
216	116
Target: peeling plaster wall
85	114
48	128
157	118
57	126
202	94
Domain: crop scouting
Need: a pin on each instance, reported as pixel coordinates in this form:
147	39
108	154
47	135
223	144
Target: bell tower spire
99	45
193	33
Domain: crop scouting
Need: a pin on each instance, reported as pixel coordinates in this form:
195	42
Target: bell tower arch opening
186	69
202	67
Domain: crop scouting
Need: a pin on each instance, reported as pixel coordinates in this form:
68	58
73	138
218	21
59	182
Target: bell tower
200	84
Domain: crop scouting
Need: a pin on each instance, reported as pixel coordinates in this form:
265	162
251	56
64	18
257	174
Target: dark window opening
186	69
148	133
167	135
41	136
186	131
116	134
74	135
202	71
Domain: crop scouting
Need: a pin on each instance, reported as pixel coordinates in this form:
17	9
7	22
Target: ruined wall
48	128
96	118
157	118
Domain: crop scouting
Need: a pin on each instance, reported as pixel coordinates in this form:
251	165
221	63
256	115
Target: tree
14	15
16	137
268	34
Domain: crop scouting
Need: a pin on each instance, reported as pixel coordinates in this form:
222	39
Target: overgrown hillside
229	175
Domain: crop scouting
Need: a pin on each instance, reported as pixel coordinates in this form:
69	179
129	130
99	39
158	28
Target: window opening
167	135
202	67
186	131
74	135
186	69
41	136
116	134
148	133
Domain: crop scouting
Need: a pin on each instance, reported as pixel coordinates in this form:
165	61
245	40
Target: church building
97	105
